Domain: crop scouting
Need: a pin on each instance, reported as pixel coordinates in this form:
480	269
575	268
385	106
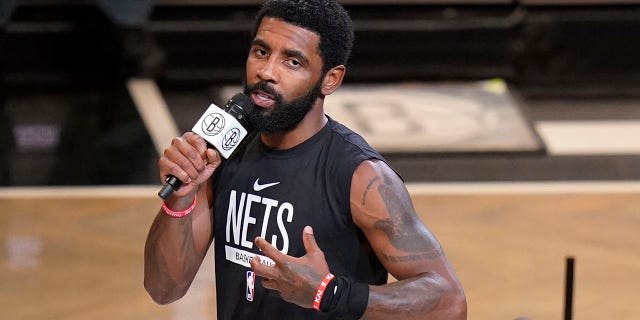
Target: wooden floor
67	254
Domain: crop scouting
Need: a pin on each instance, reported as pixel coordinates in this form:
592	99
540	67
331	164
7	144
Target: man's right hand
188	159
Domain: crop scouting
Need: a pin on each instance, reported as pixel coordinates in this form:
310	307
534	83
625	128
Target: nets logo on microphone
212	124
231	139
220	129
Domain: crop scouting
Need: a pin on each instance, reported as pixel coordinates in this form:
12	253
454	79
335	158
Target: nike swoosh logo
258	187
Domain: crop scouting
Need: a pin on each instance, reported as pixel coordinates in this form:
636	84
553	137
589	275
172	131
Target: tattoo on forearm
418	295
415	257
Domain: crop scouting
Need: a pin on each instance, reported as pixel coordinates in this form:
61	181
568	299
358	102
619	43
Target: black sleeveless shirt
274	194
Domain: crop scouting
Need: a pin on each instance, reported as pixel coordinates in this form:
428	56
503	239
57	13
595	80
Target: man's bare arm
175	247
428	287
174	251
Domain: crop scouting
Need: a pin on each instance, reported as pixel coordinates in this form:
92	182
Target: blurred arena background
516	124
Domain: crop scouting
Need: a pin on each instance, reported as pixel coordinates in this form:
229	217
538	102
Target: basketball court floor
76	251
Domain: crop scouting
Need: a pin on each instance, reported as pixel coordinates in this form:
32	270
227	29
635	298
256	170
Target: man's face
283	116
284	75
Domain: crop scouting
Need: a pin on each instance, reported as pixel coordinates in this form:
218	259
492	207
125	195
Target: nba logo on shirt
251	280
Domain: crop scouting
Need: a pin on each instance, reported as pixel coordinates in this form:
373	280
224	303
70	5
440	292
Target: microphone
224	129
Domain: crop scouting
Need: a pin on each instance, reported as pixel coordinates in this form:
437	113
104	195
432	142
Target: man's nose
268	71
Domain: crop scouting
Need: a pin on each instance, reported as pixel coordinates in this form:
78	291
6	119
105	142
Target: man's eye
260	52
293	63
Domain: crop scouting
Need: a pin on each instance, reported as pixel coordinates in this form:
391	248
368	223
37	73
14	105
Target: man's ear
333	79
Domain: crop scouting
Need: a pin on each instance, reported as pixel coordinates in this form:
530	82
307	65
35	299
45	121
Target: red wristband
179	214
320	292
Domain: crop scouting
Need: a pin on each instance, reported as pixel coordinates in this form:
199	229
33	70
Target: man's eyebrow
259	42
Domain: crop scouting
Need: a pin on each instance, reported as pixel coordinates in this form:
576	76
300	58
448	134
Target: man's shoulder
352	139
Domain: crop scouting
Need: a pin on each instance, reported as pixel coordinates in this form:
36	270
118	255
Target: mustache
263	86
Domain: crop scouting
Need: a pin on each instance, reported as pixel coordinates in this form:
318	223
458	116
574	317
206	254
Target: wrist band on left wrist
321	289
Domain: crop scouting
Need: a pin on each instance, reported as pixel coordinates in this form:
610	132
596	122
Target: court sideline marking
414	188
590	137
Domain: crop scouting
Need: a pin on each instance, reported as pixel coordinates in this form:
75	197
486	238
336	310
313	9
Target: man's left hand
296	279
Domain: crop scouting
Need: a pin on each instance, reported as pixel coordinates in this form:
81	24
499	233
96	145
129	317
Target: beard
285	115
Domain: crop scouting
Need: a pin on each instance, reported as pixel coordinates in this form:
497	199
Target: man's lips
262	99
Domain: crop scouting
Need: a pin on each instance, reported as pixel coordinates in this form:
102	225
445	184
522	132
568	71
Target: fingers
196	142
314	253
278	257
174	162
190	154
268	273
295	278
269	284
309	240
213	158
269	250
188	159
261	269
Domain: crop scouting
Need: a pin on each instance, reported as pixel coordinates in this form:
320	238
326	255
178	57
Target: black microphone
224	129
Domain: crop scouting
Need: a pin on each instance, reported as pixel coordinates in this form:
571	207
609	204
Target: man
308	218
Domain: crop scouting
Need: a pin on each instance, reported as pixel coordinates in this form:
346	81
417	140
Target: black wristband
345	299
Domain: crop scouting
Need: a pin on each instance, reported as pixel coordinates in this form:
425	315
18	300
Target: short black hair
328	19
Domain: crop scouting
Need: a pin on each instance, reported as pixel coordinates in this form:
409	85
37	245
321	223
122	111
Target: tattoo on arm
400	226
415	257
369	185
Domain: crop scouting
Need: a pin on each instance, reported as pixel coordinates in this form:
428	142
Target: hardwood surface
80	257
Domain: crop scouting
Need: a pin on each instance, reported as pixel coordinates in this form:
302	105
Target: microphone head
240	105
241	99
